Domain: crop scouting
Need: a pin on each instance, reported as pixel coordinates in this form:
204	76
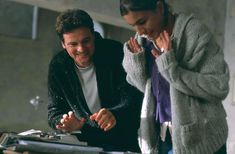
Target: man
88	89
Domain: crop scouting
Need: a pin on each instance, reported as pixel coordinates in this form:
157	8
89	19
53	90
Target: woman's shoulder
189	24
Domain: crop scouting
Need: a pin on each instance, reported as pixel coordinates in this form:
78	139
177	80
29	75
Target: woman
175	61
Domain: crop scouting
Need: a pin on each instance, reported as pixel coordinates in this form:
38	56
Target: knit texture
198	77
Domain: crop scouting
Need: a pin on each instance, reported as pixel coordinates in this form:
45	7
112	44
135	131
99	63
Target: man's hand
70	123
104	118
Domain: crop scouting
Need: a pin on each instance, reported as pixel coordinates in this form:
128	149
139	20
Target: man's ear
62	43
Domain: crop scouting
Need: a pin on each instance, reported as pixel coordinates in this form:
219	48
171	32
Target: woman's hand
134	45
104	118
163	42
69	123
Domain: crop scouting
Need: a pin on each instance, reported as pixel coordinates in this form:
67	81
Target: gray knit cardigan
198	77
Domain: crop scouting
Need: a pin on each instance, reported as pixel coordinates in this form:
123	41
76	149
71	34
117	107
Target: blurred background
28	41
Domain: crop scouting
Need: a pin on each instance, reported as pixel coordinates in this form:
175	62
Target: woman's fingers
134	45
155	52
165	40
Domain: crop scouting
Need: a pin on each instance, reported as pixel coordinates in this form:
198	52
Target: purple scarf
159	86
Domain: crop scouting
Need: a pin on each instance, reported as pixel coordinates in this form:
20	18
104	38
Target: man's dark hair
72	19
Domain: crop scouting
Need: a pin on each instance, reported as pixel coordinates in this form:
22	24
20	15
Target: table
29	145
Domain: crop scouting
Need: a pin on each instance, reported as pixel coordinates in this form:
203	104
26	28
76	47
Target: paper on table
29	132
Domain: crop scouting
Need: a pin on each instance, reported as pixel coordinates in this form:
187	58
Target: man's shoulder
61	55
113	44
106	42
60	59
111	41
109	51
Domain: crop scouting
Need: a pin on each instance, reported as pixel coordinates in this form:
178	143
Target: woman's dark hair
72	19
127	6
136	5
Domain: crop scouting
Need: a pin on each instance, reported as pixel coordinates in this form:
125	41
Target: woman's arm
210	75
135	67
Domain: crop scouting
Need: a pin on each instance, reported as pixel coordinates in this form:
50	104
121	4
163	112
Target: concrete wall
23	76
106	11
210	12
229	48
9	20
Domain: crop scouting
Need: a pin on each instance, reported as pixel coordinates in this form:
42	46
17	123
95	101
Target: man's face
79	44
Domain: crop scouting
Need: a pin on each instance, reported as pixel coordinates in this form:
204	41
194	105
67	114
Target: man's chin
83	63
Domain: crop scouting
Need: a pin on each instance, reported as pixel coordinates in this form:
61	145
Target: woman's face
146	23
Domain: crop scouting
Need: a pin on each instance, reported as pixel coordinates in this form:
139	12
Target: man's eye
72	45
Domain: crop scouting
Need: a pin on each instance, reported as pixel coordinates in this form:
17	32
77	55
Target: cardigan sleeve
209	77
134	65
